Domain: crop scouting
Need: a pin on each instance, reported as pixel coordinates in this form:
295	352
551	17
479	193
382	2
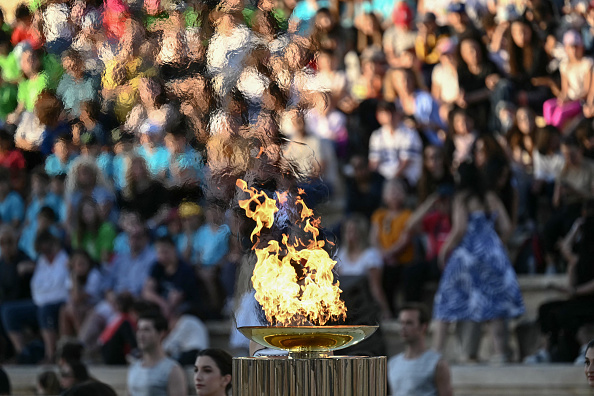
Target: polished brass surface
307	341
333	376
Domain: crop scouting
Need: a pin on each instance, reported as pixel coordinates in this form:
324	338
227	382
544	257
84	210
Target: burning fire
293	280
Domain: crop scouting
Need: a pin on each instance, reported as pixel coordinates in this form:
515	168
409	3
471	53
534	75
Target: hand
461	100
492	80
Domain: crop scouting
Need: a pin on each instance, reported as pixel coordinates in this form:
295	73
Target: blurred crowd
125	123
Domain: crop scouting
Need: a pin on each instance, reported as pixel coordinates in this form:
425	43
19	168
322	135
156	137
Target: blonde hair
89	163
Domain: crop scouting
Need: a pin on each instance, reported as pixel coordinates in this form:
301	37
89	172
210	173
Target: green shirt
29	90
96	245
9	67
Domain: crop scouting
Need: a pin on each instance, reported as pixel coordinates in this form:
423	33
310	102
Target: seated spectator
10	73
436	172
521	139
127	273
576	78
548	160
62	158
13	160
395	149
85	288
38	131
49	291
89	147
188	336
560	320
171	282
212	245
93	234
481	83
46	220
416	103
461	138
573	187
118	338
31	86
75	87
140	184
85	180
387	234
12	206
123	149
16	268
528	62
185	163
363	188
444	77
191	217
400	37
326	123
356	259
89	112
24	30
153	151
152	113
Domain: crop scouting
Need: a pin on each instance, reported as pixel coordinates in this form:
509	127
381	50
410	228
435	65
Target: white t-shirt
56	23
575	74
448	81
390	148
370	258
49	284
547	167
189	333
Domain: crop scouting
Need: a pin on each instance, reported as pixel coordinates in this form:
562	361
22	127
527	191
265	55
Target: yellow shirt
390	230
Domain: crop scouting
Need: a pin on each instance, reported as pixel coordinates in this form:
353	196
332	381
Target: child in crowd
388	226
123	150
461	139
576	77
211	245
12	206
190	215
61	160
46	220
85	287
92	233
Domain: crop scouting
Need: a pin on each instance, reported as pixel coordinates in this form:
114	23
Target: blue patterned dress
478	283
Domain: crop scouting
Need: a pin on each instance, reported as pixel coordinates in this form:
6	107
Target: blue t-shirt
73	93
54	167
119	168
50	135
183	280
12	208
105	163
211	246
190	159
157	161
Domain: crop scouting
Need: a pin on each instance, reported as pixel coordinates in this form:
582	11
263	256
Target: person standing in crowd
478	283
212	373
154	374
418	370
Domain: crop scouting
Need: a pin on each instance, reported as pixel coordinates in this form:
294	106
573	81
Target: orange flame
293	281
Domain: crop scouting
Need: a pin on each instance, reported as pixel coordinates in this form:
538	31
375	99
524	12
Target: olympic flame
293	279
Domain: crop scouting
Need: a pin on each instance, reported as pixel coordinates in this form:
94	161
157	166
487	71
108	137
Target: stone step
553	380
